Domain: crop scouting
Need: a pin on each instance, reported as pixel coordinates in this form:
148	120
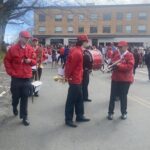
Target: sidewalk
5	98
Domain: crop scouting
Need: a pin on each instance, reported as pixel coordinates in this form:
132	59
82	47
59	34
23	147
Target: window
106	17
70	17
58	29
119	28
119	16
93	29
94	17
141	28
81	29
106	29
42	17
129	16
70	29
142	15
128	29
42	29
81	17
58	18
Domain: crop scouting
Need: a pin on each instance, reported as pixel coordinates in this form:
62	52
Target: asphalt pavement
48	131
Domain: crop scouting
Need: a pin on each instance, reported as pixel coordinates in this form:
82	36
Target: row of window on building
106	29
94	17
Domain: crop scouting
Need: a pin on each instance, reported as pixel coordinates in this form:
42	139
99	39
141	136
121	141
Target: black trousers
119	89
148	68
36	74
134	69
20	89
61	57
74	102
85	84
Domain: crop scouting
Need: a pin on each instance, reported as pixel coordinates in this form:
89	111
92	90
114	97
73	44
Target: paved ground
48	132
4	94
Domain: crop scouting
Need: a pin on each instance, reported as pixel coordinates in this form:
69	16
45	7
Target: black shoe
36	95
15	111
71	124
26	122
87	100
124	116
82	119
110	117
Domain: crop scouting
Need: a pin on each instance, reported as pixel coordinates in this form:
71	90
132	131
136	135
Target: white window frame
58	29
42	29
128	28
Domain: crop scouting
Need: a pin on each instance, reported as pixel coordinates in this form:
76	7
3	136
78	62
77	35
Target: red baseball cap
35	39
122	43
83	38
25	34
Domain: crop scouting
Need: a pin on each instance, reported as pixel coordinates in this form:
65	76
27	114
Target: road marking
144	72
139	100
2	94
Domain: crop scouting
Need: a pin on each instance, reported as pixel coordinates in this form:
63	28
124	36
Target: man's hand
27	61
118	64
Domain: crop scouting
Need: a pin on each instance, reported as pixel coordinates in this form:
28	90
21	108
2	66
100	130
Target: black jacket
87	61
147	59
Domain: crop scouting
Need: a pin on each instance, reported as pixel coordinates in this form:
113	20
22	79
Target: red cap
35	39
83	38
25	34
122	43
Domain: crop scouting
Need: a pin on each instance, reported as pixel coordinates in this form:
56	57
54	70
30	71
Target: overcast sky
13	30
83	2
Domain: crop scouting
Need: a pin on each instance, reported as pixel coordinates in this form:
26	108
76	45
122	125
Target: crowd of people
24	63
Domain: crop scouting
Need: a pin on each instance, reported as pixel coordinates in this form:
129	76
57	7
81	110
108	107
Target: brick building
102	23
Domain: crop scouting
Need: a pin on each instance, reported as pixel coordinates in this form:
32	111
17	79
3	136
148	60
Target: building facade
103	24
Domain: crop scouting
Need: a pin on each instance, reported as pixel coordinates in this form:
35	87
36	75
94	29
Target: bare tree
12	9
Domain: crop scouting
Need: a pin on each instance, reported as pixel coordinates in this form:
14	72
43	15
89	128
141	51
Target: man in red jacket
74	75
18	61
122	77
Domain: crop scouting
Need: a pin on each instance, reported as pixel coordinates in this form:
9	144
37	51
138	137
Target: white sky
83	2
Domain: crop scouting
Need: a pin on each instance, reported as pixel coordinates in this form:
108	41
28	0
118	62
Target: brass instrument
110	67
60	79
39	57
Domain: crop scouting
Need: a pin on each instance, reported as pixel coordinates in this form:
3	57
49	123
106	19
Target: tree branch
23	12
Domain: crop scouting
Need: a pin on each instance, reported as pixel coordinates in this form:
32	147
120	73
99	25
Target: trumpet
110	67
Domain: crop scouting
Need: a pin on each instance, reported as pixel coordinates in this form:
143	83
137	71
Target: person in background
136	59
18	62
87	69
147	62
61	54
54	56
66	53
40	57
74	76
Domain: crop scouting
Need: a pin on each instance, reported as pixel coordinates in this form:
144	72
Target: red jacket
124	70
14	61
74	66
61	51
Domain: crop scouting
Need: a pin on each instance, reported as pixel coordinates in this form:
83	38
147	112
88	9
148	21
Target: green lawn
2	54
